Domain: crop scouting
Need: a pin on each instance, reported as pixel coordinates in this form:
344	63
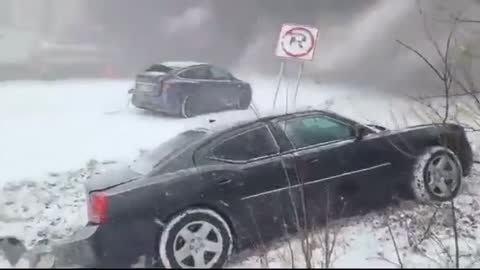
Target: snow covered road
56	126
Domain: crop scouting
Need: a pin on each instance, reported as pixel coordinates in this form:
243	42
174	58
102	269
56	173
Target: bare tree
455	231
447	73
444	72
328	239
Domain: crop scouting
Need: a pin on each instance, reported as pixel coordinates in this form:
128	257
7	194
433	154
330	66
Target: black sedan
188	89
208	192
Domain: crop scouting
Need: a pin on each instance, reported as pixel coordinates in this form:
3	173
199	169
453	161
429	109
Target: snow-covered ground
55	135
364	242
56	126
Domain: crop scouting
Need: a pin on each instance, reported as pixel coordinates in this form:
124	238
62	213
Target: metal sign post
299	77
295	42
279	82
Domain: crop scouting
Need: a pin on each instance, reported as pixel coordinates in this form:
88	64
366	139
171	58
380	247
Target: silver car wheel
198	244
443	176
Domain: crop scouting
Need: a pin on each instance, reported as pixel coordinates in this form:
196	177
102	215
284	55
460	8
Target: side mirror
380	128
360	132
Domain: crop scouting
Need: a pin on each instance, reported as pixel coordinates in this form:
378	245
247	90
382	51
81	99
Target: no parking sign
297	42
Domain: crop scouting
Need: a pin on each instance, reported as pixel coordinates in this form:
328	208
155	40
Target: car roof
216	128
181	64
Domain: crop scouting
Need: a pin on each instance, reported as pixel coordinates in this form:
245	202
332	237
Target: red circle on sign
312	38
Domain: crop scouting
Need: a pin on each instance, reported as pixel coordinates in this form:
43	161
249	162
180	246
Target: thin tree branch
422	57
427	30
455	232
426	233
467	91
394	244
447	78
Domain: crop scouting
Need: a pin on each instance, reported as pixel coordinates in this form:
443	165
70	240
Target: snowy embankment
55	135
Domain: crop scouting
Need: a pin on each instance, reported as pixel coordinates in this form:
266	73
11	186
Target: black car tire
427	176
206	228
187	109
244	99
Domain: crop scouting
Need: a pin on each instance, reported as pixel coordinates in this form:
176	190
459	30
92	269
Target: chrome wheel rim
198	244
443	176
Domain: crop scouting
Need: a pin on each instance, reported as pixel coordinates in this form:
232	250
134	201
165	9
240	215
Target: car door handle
224	181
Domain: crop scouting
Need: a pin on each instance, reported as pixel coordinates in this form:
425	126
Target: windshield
145	163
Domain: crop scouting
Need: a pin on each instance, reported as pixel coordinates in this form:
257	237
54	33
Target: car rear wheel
197	238
188	107
244	99
437	176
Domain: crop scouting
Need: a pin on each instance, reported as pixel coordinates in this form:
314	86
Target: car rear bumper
77	251
166	102
109	245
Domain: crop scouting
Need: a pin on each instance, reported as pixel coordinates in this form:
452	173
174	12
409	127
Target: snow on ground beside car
39	211
51	129
57	126
364	242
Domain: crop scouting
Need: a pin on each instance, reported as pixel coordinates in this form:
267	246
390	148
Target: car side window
315	129
219	74
252	144
198	73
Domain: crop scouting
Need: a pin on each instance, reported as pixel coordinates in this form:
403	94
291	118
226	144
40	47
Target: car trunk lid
114	177
175	153
149	82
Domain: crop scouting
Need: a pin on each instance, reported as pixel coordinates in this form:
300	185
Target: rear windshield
159	68
167	150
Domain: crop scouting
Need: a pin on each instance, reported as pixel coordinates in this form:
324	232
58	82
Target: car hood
432	129
430	126
113	177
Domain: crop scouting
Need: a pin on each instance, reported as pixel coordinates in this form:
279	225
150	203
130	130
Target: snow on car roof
181	64
213	127
155	73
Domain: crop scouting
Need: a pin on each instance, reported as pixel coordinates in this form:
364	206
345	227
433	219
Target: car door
225	86
195	82
368	161
318	145
369	172
253	178
352	170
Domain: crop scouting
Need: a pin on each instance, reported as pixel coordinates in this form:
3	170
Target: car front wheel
437	176
197	238
244	99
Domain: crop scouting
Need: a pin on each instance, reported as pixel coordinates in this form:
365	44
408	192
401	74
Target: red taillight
108	72
165	85
98	207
